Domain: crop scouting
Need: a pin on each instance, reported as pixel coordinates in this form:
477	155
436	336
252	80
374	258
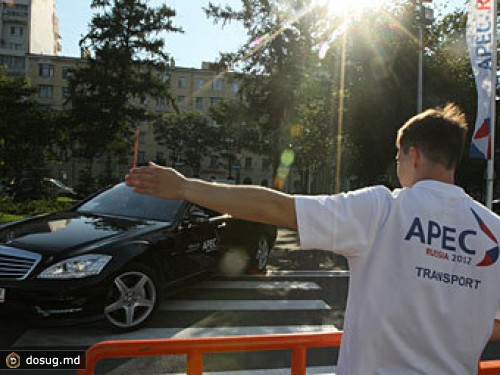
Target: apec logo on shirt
450	240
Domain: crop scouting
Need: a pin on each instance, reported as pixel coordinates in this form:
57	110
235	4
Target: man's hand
252	203
156	180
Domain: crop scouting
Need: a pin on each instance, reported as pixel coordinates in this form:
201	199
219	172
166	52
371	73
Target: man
424	287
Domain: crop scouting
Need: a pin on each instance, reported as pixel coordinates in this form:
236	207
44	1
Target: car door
197	235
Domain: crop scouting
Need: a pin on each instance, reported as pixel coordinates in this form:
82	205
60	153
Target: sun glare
352	8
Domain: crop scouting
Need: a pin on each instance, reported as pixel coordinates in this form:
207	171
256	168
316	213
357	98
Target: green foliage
273	59
185	134
126	64
236	131
27	130
11	210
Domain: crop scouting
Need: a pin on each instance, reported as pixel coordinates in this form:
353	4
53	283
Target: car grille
16	264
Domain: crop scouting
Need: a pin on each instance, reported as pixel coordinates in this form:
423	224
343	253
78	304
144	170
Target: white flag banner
481	45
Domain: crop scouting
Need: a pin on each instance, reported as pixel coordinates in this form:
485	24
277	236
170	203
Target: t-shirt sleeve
344	223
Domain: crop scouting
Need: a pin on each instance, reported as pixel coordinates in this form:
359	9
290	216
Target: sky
201	41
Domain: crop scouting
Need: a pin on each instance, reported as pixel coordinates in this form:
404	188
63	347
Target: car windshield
121	200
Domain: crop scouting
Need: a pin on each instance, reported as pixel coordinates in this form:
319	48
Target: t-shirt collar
449	189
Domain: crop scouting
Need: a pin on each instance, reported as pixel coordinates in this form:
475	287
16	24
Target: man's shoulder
378	190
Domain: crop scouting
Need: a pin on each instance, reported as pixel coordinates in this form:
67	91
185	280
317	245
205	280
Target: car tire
133	298
259	254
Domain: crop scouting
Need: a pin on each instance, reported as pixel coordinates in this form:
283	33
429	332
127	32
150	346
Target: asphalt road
303	291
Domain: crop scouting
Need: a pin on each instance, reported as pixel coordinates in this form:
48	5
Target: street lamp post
426	17
340	121
229	142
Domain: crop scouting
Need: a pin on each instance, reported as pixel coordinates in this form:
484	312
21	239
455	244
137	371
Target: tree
27	131
125	64
382	89
273	60
187	135
235	132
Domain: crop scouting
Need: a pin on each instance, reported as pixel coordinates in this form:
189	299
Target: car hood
49	235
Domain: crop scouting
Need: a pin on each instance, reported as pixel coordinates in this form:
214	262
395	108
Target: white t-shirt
425	277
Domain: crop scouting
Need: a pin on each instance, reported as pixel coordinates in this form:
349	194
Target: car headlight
77	267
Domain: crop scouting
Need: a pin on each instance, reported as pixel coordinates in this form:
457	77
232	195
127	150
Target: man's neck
437	173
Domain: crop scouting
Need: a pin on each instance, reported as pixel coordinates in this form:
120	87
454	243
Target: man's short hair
440	133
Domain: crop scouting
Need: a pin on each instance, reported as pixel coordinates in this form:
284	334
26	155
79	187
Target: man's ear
415	155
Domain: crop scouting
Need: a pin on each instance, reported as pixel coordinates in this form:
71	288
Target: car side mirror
198	217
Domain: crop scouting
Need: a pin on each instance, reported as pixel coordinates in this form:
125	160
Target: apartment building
198	90
192	89
29	47
27	27
49	76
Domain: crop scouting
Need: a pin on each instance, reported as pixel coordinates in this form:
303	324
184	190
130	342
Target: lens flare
344	8
287	158
261	40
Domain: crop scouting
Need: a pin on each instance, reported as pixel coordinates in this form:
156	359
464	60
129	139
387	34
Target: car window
206	211
120	200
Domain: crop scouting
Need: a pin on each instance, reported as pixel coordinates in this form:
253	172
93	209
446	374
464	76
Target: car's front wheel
133	298
260	254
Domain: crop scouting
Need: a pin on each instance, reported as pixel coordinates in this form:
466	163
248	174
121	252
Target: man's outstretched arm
253	203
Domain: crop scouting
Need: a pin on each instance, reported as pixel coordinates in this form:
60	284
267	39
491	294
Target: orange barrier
196	347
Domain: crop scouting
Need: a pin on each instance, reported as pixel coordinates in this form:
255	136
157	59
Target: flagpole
490	168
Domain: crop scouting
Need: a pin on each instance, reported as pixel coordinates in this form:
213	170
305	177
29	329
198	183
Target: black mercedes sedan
116	253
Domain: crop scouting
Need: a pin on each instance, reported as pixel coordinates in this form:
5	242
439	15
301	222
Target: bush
10	210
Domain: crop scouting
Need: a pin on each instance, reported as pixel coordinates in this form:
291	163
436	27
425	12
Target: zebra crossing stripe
83	337
243	305
267	285
304	273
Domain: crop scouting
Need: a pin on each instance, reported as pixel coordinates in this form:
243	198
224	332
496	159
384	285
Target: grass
10	210
5	218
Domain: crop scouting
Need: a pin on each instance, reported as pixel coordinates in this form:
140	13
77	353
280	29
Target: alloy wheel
133	300
262	255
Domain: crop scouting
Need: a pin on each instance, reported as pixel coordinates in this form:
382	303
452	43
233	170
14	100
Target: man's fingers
143	170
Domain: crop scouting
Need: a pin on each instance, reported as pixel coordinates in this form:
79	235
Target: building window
199	103
142	137
214	123
248	162
66	72
214	162
181	82
141	157
45	70
266	164
235	87
198	84
181	101
217	84
13	46
45	91
13	62
214	100
64	155
16	31
160	157
161	102
17	10
65	92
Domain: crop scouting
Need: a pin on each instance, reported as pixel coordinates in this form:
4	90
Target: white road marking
84	337
243	305
304	273
287	285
